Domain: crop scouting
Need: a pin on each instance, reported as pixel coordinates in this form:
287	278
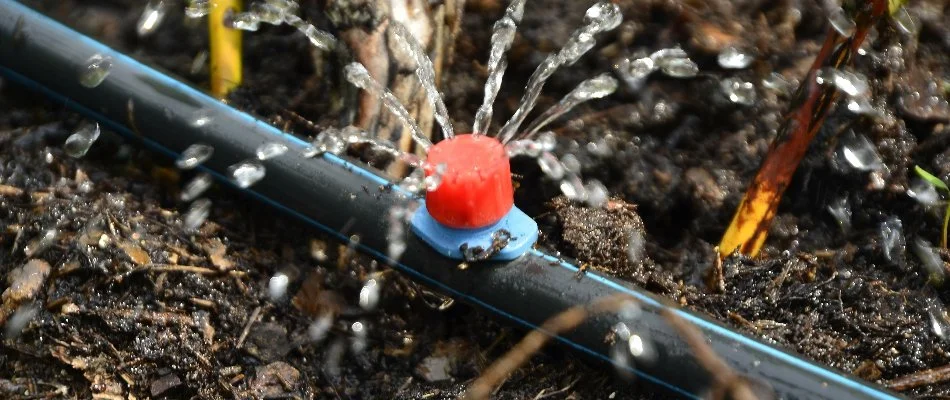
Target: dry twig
533	341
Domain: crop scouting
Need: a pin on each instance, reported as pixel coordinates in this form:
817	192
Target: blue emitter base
448	241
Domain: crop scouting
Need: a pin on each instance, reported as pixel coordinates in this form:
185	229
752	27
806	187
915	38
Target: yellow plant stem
225	43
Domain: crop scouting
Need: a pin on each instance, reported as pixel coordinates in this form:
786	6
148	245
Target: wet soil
118	316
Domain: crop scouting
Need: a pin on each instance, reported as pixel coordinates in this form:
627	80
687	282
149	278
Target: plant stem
946	222
749	227
225	44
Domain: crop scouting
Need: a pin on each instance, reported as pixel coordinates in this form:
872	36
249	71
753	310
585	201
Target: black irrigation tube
347	200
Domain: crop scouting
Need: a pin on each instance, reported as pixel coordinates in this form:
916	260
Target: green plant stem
946	222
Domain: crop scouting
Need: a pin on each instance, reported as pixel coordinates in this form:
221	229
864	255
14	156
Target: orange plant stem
750	225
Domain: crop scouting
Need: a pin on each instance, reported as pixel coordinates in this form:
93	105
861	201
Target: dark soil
118	316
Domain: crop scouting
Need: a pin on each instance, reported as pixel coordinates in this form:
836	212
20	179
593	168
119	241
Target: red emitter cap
476	190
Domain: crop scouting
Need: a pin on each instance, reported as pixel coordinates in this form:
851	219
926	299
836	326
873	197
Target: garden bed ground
116	317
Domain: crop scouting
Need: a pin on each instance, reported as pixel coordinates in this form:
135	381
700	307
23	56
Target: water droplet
939	320
268	13
600	148
85	187
851	83
923	192
860	153
433	181
775	81
194	155
675	62
310	151
842	22
270	150
333	357
246	21
739	92
354	135
395	231
892	239
620	358
636	346
734	58
622	331
596	193
78	144
195	187
930	260
594	88
247	173
286	7
318	329
413	183
603	16
20	319
197	213
573	188
641	67
629	311
636	246
95	70
151	18
905	22
369	294
197	8
547	141
679	67
198	63
277	286
319	39
201	118
550	166
360	332
571	163
668	54
576	46
861	105
329	141
840	209
525	147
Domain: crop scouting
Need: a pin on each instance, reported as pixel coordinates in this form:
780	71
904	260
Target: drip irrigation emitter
346	199
474	202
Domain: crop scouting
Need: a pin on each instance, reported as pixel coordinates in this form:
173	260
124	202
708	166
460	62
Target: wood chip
135	253
25	282
216	252
6	190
